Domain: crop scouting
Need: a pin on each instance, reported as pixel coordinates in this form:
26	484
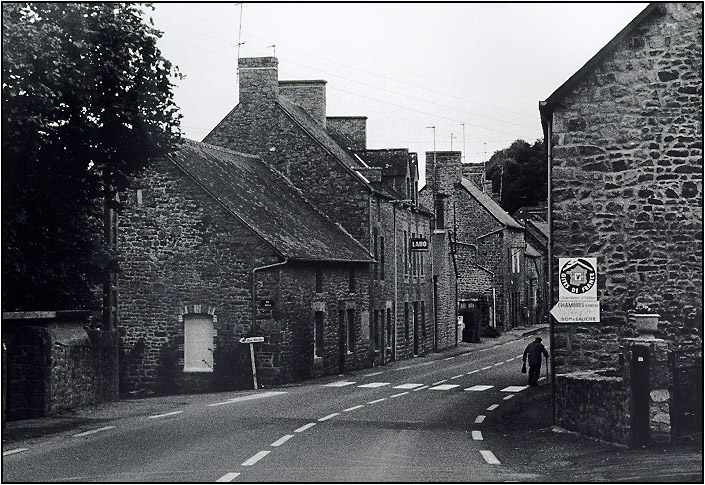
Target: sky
474	71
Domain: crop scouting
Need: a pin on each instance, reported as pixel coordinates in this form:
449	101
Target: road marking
282	440
488	367
12	452
479	388
255	458
444	387
420	388
497	364
405	367
457	377
439	382
228	477
326	418
408	386
86	433
449	358
354	407
377	400
477	435
473	371
426	363
493	407
155	416
375	384
480	419
373	374
400	394
489	457
514	388
339	384
249	398
304	427
508	397
485	350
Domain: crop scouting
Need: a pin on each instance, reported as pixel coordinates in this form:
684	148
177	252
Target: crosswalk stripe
493	407
444	387
477	435
514	388
228	477
479	388
489	457
375	384
480	419
339	384
508	397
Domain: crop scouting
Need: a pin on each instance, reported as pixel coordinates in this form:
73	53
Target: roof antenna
274	47
239	36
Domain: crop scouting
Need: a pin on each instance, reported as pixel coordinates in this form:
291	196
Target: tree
86	102
520	173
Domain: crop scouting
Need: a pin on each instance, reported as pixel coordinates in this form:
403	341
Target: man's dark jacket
534	350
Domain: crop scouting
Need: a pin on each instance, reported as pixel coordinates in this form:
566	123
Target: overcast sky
406	66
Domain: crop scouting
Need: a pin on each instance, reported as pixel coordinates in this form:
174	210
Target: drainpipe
395	303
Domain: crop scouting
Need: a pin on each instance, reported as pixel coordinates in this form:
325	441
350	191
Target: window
406	319
381	258
440	217
516	261
318	335
351	330
198	343
319	280
351	280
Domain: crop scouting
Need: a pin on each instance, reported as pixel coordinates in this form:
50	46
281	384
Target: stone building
485	245
285	124
216	246
625	143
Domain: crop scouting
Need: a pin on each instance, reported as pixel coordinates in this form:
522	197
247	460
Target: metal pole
254	368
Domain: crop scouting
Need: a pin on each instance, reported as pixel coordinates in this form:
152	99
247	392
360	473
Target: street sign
418	244
266	303
251	340
576	311
577	279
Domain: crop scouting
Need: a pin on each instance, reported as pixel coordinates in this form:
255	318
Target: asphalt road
421	420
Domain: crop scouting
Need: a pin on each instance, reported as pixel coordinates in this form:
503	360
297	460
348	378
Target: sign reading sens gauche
418	244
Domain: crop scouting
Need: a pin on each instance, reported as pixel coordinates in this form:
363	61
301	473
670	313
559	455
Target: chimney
310	95
443	171
349	130
474	172
259	82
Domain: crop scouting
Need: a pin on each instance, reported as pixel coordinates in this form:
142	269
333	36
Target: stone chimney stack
310	95
443	171
350	129
259	83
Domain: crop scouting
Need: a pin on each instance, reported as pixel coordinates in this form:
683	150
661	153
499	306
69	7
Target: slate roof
268	203
540	225
489	204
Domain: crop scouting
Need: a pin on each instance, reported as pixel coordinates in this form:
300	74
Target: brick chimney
474	172
259	83
443	171
349	130
310	95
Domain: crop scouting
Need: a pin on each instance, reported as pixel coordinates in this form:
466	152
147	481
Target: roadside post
252	341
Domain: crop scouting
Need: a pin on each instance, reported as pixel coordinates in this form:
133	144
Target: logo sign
251	340
418	244
577	279
576	311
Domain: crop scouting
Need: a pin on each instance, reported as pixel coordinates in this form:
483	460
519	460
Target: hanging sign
418	244
577	279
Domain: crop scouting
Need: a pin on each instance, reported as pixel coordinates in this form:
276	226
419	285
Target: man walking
534	351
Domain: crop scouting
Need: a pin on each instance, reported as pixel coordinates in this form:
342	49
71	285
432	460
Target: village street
421	420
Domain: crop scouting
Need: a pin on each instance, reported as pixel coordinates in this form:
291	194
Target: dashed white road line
439	382
339	384
508	397
373	374
497	364
477	435
377	400
255	458
12	452
480	419
155	416
489	457
426	363
93	431
326	418
400	394
374	384
304	427
228	477
493	407
514	388
479	388
488	367
473	372
457	377
444	387
282	440
420	388
249	398
410	385
354	408
449	358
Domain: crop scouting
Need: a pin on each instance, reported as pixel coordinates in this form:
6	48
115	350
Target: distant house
326	158
485	244
625	143
215	246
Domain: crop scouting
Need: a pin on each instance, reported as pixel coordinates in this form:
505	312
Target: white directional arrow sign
576	311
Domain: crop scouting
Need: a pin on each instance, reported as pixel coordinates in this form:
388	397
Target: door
640	395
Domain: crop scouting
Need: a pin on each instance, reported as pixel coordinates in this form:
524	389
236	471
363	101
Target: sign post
252	341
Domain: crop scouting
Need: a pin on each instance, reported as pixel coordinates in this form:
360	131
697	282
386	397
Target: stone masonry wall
627	183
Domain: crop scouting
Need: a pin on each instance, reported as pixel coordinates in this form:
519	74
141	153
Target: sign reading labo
418	244
577	291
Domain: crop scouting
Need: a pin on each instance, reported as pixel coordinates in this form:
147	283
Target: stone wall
627	183
57	362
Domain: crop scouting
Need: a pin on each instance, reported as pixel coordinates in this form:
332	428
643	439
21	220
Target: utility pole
434	161
463	125
239	36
